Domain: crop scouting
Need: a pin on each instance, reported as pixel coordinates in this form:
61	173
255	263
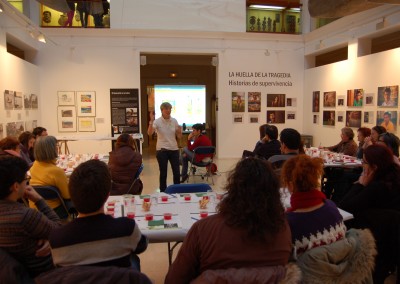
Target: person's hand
178	129
152	116
366	176
367	142
43	248
31	194
190	136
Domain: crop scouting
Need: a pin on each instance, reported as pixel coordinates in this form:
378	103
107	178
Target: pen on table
173	196
194	219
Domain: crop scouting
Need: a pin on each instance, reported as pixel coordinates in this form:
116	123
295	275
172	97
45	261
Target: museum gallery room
90	71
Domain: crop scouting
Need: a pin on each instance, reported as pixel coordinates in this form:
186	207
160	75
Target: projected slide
188	102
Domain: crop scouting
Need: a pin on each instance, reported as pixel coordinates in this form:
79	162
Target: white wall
190	15
368	73
233	138
17	75
100	63
358	72
90	68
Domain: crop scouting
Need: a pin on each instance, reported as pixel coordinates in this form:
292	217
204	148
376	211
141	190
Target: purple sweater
316	228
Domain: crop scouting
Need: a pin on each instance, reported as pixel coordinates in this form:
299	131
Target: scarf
305	199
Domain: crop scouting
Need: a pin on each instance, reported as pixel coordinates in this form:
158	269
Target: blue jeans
163	156
186	157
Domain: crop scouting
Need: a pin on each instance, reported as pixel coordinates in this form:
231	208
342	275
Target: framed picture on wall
30	125
34	101
66	98
276	100
66	117
253	118
330	99
276	116
18	100
86	103
238	101
353	119
315	118
86	124
254	104
369	99
355	98
238	118
315	103
291	115
388	96
328	117
387	119
8	99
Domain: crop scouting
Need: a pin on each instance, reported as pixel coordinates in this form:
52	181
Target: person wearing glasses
24	231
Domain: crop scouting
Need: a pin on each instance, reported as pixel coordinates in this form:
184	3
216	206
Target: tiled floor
154	260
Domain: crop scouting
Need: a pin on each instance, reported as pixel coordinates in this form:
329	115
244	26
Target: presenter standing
168	130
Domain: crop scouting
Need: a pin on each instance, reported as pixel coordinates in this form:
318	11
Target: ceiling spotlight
41	38
173	75
1	8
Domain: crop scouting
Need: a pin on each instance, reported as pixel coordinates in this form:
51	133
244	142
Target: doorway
177	69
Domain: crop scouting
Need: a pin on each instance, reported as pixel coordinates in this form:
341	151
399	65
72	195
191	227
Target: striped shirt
21	228
97	240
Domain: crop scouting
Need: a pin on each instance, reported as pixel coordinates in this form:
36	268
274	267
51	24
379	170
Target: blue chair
202	150
137	177
187	188
51	192
184	188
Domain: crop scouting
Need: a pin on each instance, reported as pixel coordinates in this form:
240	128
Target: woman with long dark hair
248	231
27	141
374	201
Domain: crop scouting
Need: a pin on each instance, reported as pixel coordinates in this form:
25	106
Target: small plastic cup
164	198
203	214
167	216
205	197
146	199
149	217
130	215
187	197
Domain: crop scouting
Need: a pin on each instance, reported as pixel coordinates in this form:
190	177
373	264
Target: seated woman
124	163
373	138
27	140
346	146
44	171
376	194
10	146
314	220
362	133
248	231
392	142
268	145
